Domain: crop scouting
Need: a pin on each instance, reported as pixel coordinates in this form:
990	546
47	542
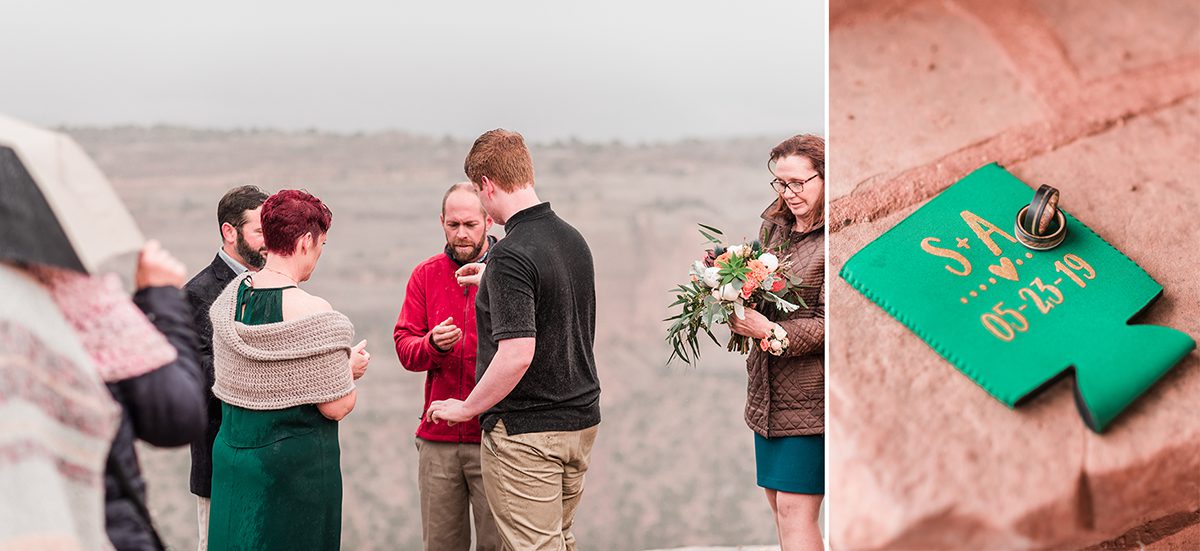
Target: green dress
277	479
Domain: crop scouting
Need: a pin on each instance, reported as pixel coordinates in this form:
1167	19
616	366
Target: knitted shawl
279	365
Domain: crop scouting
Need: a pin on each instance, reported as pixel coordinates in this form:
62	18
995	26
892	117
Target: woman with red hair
285	372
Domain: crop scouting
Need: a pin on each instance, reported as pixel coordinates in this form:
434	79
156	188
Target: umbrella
56	207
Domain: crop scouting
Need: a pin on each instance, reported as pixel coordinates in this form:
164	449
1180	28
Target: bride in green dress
285	373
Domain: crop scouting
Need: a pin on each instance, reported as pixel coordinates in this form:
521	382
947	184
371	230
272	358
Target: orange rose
748	288
758	271
721	260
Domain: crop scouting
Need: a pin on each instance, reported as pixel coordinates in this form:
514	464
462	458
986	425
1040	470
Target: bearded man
435	334
242	249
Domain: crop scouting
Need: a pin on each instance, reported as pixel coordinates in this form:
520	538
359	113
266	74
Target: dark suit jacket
201	291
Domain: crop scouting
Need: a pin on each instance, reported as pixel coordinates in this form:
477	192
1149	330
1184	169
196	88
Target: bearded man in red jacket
435	334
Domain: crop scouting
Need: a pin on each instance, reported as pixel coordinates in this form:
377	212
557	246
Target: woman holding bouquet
785	405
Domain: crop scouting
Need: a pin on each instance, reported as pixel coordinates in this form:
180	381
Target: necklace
289	278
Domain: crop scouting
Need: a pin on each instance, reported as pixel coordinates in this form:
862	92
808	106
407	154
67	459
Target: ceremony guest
163	406
242	250
50	392
538	394
285	372
435	334
61	336
785	404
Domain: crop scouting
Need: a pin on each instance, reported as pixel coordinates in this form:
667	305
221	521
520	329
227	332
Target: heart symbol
1006	269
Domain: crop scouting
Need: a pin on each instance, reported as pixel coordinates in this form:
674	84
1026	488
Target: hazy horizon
627	71
70	128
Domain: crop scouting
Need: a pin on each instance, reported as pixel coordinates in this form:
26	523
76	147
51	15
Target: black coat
201	291
164	407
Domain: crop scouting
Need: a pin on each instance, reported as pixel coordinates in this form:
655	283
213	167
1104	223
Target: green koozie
1013	319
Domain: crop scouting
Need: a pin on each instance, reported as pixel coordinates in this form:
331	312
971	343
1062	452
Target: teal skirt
792	464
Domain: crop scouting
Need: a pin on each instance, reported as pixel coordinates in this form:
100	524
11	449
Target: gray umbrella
56	207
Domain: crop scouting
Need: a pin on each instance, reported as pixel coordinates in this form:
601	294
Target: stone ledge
925	459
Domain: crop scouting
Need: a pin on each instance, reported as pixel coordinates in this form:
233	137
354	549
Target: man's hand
359	358
157	268
755	325
445	335
470	274
451	411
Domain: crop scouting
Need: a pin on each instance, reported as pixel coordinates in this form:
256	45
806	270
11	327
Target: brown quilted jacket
786	394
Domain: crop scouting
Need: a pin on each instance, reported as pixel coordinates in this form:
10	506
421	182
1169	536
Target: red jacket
433	294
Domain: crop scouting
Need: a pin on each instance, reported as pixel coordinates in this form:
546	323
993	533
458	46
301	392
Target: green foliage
700	310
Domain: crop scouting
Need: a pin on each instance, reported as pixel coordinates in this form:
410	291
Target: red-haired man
538	394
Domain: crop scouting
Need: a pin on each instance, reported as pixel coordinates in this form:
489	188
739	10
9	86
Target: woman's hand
359	358
470	274
157	268
755	325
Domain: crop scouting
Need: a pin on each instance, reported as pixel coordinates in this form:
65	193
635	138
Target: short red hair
288	215
500	155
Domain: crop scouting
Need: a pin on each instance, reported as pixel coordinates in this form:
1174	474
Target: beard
468	252
254	259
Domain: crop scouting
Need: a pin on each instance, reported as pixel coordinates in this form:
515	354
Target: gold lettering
927	246
979	224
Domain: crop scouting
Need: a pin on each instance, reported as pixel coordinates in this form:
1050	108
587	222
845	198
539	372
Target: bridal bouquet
728	280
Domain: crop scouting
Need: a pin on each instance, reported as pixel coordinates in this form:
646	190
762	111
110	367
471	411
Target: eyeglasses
796	187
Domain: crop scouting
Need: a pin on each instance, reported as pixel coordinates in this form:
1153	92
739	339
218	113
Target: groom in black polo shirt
538	396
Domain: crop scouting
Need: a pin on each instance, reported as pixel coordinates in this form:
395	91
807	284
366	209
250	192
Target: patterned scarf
113	330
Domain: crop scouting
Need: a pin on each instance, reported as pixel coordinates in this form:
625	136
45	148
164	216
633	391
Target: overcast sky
619	69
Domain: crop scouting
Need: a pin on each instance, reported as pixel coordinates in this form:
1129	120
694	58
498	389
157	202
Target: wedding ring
1041	211
1057	229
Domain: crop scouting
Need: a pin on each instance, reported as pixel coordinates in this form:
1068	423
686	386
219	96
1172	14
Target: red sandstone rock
1107	37
920	457
909	86
1187	539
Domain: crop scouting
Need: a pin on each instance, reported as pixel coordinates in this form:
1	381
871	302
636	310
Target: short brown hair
233	206
805	145
500	155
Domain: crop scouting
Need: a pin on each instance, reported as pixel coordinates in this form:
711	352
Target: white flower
770	261
729	293
778	332
696	269
776	347
735	250
711	277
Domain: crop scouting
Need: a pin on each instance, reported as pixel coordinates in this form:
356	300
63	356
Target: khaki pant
451	486
202	506
534	482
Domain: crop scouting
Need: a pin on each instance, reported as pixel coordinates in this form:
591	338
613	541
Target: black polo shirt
540	282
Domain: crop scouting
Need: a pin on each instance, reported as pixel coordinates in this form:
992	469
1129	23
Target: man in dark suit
242	249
